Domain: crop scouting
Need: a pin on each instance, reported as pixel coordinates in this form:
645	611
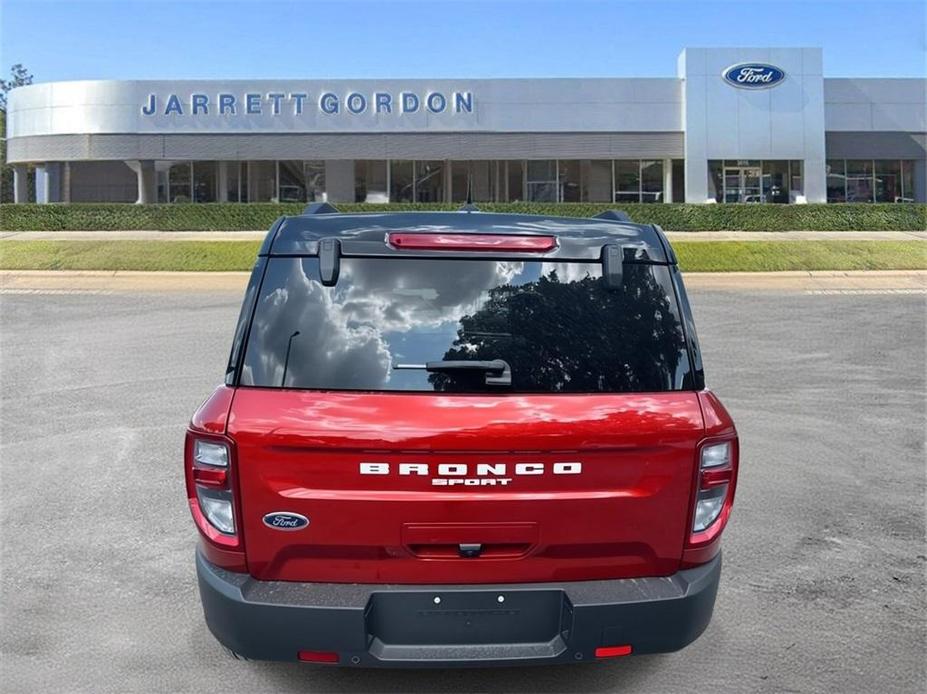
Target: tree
19	76
576	336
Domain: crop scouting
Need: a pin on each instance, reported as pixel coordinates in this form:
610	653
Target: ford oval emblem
284	520
753	75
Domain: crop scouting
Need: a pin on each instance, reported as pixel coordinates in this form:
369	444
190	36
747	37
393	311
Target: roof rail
614	216
320	208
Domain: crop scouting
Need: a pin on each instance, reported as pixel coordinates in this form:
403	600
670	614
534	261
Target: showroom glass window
370	176
205	181
401	181
236	181
429	181
263	181
860	184
868	180
542	180
652	181
627	180
480	175
180	179
570	180
888	180
514	180
597	180
836	180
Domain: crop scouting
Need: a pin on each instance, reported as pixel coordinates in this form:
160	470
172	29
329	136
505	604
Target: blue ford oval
284	520
753	75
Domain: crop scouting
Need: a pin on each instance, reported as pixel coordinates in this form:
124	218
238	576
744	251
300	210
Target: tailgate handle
469	540
469	550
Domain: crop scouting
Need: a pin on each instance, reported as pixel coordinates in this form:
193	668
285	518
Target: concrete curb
65	281
166	236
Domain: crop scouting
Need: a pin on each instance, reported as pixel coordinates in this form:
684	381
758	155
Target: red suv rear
461	438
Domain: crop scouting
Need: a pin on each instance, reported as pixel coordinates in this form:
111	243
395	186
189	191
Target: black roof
364	234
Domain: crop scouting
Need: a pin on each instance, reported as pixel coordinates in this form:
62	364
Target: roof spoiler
613	216
320	208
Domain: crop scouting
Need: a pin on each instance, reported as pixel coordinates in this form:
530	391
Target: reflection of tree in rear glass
573	336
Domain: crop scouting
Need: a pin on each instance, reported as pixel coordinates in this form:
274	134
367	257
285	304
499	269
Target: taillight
473	242
612	651
717	477
209	488
318	656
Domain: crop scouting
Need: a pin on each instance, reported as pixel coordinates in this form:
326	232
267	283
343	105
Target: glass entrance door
743	184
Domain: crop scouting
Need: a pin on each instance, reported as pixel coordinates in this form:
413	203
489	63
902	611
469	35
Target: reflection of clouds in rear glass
553	322
342	341
328	352
399	296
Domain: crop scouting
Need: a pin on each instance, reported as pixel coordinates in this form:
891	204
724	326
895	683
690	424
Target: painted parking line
47	291
858	292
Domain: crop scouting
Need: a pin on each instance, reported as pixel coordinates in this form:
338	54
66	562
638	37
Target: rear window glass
556	325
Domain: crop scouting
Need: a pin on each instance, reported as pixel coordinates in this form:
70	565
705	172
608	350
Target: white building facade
735	125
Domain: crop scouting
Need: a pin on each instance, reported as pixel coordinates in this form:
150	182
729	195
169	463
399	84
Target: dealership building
733	125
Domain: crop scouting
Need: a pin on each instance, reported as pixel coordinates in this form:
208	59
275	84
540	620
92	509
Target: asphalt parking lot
824	580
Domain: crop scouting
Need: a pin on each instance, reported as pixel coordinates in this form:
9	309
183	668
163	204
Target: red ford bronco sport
460	438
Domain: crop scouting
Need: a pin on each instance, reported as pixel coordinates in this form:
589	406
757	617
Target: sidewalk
259	235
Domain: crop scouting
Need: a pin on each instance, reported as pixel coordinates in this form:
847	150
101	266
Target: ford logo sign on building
753	75
284	520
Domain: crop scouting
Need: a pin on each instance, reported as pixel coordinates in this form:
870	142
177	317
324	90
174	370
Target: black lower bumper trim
466	652
456	625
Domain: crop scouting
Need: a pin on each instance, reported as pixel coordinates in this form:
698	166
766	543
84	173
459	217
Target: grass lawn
697	256
128	255
774	256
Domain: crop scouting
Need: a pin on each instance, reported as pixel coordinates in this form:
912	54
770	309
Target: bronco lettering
465	469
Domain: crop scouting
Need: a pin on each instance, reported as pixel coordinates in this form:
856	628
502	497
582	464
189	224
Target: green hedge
672	217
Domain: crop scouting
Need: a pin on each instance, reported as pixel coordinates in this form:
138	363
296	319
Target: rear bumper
462	625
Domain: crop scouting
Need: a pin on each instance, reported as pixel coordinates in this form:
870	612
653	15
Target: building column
20	183
919	180
448	182
66	182
147	181
48	182
223	181
697	180
41	184
815	180
667	180
339	180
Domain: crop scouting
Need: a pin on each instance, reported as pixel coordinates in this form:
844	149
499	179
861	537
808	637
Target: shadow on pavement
587	677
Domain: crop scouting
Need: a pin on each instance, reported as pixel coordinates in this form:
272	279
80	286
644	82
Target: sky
154	39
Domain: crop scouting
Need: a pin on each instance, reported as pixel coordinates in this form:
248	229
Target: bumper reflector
612	651
318	656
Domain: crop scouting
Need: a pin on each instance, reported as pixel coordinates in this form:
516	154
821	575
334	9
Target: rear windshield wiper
498	372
